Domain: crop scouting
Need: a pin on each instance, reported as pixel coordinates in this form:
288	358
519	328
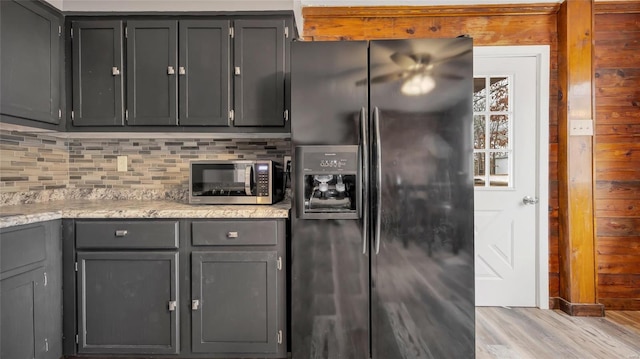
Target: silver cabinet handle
365	177
195	304
171	70
237	70
172	305
182	70
530	200
115	71
376	124
232	234
121	232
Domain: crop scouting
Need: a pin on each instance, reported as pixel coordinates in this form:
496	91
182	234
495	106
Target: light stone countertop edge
134	209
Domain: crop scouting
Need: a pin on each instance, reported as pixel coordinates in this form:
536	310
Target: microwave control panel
262	175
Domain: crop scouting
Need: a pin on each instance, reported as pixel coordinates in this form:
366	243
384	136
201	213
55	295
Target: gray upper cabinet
127	302
197	72
204	73
152	65
259	69
98	74
29	53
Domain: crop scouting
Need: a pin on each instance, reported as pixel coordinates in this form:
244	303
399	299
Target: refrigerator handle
378	154
364	199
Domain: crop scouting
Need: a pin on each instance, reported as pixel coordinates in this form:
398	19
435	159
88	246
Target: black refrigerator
382	219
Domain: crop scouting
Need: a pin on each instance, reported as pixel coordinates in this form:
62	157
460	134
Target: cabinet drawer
127	234
234	233
22	246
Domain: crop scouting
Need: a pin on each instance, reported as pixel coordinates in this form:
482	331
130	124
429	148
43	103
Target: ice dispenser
328	182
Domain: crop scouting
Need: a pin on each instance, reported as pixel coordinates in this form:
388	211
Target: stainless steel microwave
235	182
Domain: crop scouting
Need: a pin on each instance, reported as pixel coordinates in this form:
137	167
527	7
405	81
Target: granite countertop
30	213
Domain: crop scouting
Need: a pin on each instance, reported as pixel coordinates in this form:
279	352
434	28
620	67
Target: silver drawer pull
195	304
115	71
232	234
121	233
171	70
172	305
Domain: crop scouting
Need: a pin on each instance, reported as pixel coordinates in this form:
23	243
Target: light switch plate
581	128
122	164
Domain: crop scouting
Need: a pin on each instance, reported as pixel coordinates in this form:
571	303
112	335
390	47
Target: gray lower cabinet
22	314
238	305
29	53
234	302
189	288
127	286
31	291
127	302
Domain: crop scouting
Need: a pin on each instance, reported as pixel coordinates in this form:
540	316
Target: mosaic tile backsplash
30	162
58	167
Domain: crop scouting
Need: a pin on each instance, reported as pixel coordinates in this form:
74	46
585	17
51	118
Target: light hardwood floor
509	333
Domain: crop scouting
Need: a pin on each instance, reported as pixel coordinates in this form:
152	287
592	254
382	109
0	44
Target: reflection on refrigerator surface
332	294
423	284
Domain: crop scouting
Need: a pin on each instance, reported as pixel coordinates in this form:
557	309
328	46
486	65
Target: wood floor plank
505	333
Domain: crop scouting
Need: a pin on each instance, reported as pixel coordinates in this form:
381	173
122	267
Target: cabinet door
22	311
29	53
204	73
259	72
236	310
152	74
97	73
125	302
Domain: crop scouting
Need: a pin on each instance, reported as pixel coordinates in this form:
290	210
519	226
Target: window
492	129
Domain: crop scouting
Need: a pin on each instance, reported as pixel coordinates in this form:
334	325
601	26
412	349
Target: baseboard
577	309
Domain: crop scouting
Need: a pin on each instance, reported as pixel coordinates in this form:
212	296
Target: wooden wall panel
525	24
617	154
615	188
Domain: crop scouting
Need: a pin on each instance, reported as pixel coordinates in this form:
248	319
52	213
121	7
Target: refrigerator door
422	256
328	91
329	272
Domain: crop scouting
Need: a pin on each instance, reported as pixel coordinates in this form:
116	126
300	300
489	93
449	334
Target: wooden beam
617	7
418	11
575	160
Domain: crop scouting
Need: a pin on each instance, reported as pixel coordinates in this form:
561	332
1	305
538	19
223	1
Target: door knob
529	200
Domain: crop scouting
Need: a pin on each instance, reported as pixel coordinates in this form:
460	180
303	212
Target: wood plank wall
524	24
617	153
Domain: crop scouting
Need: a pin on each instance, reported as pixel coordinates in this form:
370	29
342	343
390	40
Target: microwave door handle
247	180
364	140
378	153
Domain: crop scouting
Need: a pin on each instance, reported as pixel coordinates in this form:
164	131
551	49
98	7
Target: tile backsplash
32	162
35	162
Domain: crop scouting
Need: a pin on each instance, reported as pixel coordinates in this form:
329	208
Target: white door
506	118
